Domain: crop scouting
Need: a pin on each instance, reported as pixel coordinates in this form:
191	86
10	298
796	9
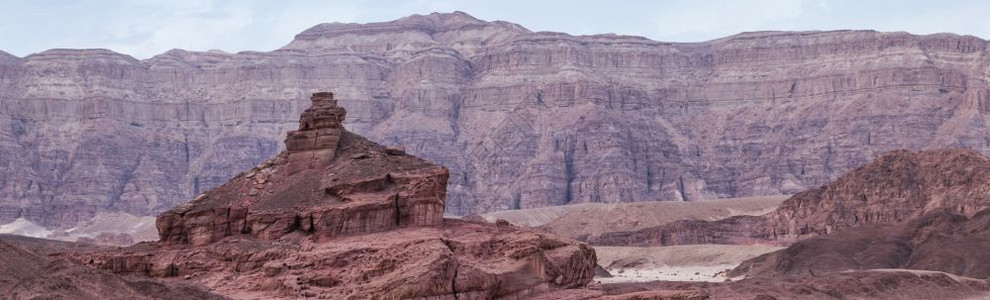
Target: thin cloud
146	28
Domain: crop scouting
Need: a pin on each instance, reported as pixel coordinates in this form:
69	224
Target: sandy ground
580	221
139	228
674	263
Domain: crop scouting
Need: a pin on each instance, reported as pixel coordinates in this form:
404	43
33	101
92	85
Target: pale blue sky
145	28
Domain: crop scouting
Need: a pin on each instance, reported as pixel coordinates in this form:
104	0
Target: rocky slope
337	216
26	275
522	119
897	187
874	284
940	241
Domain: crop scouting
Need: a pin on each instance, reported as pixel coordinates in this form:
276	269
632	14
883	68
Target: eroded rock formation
897	187
27	275
328	182
337	216
937	241
522	119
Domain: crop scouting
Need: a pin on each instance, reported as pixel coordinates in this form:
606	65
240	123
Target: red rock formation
328	183
26	275
336	216
895	187
898	186
315	143
938	241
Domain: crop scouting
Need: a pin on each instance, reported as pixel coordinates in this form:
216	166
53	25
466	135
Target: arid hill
897	187
27	275
337	216
940	241
522	119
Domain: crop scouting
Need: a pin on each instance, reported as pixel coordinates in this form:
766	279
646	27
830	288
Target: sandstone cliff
522	119
336	216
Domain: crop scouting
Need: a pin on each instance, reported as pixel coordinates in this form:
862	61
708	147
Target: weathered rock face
336	216
328	182
522	119
459	260
938	241
26	275
896	187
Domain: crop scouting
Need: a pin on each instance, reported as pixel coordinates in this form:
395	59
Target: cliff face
521	119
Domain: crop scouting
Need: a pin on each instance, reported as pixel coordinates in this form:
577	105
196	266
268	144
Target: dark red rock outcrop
336	216
328	182
939	241
897	186
26	275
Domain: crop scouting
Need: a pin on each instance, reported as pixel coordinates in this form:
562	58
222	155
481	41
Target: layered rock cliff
522	119
338	217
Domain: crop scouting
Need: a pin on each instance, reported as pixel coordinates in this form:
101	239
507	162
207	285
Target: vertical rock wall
521	119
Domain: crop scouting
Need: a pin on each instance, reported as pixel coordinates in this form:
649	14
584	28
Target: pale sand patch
23	227
140	228
675	263
696	273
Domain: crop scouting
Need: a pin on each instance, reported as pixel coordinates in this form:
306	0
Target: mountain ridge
522	119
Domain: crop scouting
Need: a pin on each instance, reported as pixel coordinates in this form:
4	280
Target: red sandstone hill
898	186
26	275
336	216
893	188
939	241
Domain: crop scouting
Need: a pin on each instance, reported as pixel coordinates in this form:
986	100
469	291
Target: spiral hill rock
328	182
335	216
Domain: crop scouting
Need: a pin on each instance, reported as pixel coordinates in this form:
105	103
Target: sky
143	28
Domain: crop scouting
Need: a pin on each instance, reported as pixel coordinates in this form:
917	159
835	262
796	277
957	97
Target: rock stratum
336	216
522	119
